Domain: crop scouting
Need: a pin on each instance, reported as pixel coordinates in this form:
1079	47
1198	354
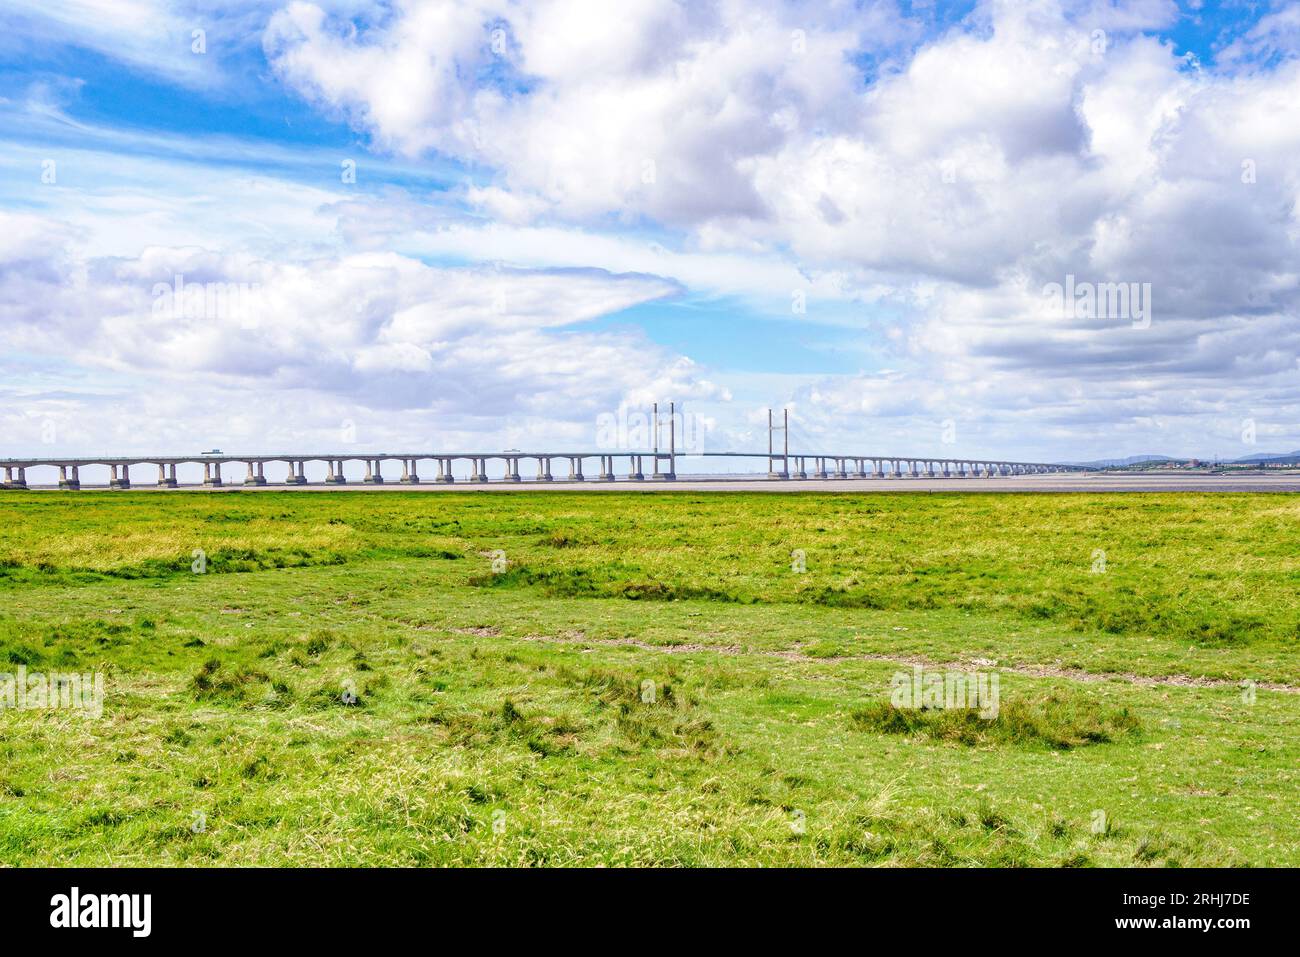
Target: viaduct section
781	466
219	470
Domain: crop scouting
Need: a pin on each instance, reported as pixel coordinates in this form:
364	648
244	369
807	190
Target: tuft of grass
216	683
1058	719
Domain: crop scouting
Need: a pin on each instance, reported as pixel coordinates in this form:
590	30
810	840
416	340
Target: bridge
632	466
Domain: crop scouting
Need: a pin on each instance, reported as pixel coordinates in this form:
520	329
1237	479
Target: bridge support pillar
544	469
297	477
73	482
634	473
607	468
124	481
374	472
839	470
480	470
212	474
444	476
18	481
512	471
409	475
255	474
166	475
861	471
929	470
897	470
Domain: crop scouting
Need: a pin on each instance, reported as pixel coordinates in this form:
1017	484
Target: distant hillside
1271	458
1277	458
1130	460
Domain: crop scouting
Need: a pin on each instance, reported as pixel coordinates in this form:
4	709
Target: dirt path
1033	671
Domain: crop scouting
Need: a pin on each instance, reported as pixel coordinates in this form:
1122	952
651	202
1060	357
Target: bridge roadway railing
640	467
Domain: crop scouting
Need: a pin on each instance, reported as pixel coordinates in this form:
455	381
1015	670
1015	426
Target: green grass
649	681
1057	719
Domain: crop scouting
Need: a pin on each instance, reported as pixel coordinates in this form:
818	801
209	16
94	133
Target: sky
1043	231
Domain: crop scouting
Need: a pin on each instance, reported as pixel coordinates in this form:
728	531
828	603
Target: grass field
569	679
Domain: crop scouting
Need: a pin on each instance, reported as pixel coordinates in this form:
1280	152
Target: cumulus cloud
939	177
374	332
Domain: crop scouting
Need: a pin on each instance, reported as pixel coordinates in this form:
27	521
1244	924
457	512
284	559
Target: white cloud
183	41
374	331
741	149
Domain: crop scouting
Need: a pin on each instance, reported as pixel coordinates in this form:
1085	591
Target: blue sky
849	209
